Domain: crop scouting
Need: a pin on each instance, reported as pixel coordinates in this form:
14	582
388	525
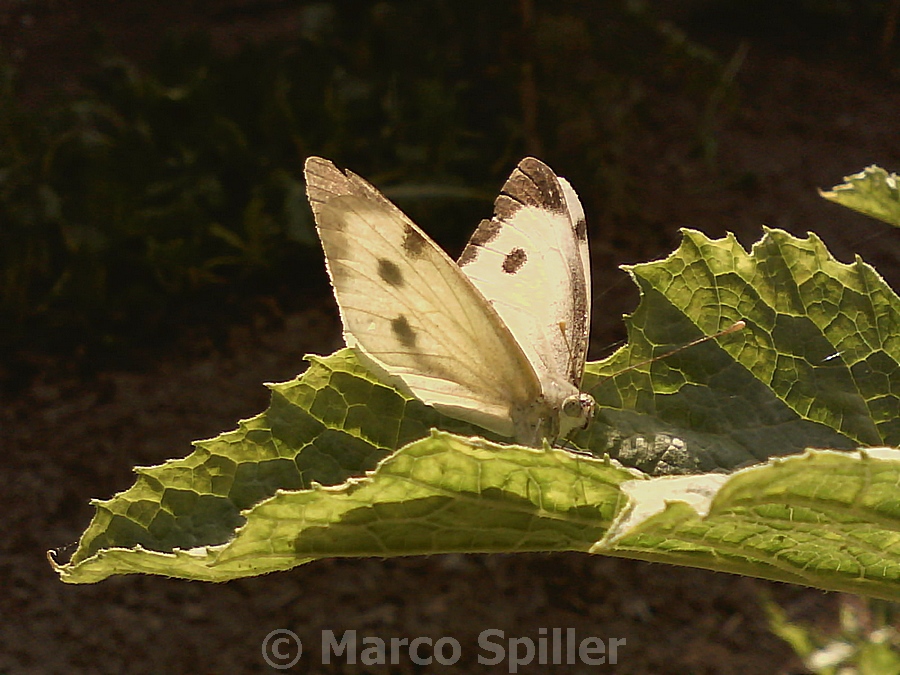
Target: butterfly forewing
582	305
406	305
531	261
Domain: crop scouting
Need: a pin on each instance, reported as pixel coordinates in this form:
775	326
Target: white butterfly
498	340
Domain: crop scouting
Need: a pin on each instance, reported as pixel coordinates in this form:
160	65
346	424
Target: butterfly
497	339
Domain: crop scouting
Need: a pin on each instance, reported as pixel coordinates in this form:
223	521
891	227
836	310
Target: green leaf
341	464
334	422
818	364
441	493
873	192
825	519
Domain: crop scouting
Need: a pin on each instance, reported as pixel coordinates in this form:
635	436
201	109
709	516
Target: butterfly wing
407	307
531	261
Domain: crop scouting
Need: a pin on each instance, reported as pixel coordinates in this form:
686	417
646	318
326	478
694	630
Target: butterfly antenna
733	328
562	325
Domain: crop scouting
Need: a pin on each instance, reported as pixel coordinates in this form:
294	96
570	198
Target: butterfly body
498	339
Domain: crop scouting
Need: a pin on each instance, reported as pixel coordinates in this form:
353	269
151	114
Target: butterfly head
576	413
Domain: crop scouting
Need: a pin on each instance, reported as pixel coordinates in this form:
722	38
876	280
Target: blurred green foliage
865	641
165	194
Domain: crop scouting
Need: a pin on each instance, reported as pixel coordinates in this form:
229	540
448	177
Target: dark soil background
807	116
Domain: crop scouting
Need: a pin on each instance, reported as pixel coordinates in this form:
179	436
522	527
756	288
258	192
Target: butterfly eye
573	406
576	413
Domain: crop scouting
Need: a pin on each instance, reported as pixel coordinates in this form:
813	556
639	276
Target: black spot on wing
413	242
514	260
389	272
403	332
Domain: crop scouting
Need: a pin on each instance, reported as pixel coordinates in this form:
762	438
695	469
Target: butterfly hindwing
407	306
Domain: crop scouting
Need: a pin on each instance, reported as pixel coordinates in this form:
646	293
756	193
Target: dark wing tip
533	183
324	182
318	170
313	162
531	165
